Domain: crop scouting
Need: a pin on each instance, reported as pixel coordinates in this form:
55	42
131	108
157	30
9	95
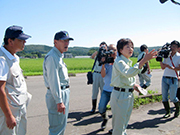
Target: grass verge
152	97
143	100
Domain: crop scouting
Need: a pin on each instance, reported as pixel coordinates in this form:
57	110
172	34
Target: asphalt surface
146	120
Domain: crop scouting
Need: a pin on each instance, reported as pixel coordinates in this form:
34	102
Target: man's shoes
92	111
167	115
94	101
110	131
167	109
177	106
103	125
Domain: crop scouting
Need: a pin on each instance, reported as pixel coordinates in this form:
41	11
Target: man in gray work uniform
14	97
57	82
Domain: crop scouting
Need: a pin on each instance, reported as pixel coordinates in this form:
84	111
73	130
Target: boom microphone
163	1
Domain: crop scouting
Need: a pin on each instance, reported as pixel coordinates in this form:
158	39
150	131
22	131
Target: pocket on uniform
19	99
56	118
17	80
50	102
15	110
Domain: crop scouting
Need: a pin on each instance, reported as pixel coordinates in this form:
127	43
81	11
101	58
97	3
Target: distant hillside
76	51
43	49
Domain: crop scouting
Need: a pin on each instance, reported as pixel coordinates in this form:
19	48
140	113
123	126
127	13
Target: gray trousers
121	107
97	83
20	115
57	120
144	79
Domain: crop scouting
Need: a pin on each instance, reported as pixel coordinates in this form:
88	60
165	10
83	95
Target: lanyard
173	65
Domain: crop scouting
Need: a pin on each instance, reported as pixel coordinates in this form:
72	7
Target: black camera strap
94	64
141	58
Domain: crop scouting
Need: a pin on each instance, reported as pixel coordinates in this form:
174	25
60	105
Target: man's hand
10	122
168	66
103	59
61	108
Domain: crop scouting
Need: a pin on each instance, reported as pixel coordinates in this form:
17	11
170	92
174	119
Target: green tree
91	51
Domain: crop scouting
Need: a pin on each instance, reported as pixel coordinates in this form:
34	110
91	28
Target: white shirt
4	68
176	61
16	89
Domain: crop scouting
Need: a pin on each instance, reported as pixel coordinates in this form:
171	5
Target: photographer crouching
171	64
107	61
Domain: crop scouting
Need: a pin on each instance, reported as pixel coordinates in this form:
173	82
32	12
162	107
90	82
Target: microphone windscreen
163	1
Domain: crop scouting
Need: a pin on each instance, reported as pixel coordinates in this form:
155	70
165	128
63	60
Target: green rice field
32	67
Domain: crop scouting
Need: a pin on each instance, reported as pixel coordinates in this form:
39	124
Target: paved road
144	121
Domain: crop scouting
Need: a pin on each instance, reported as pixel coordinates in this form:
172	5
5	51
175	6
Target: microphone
163	1
173	1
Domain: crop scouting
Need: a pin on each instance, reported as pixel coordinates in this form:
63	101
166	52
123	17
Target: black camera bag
144	66
90	77
90	74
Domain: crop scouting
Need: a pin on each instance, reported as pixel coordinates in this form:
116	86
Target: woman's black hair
121	43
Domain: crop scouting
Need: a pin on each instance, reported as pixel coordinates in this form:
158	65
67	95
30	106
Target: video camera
163	52
104	53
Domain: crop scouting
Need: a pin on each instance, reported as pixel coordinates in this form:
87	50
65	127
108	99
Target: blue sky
90	22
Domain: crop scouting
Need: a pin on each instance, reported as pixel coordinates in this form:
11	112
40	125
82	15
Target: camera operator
106	73
97	78
170	79
178	90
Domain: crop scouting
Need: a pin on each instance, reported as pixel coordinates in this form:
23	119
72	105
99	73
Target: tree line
39	51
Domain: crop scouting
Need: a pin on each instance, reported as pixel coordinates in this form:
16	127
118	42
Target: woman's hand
150	55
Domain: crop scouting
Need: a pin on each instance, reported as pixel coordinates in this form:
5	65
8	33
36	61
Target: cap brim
66	38
23	36
71	39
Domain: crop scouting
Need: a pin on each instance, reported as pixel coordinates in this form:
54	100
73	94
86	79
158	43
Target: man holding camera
170	79
106	73
97	78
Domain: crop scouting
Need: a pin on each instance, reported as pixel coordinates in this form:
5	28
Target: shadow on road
87	118
160	111
79	116
96	132
151	123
